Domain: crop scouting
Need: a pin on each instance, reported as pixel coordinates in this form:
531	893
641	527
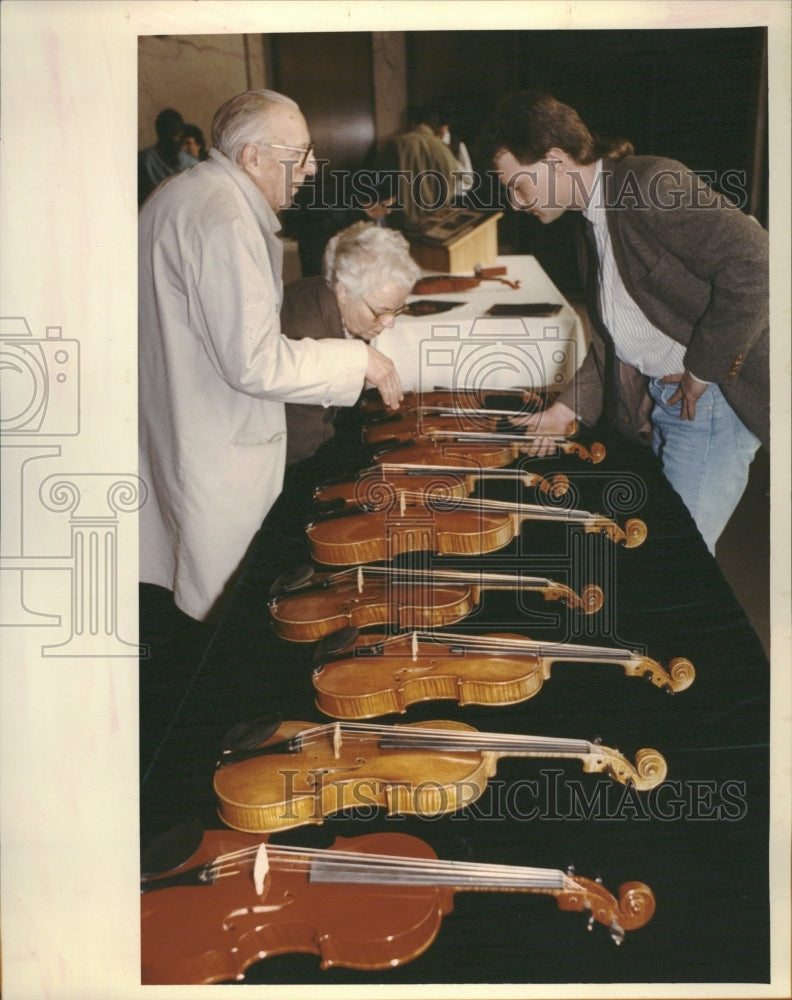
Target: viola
380	675
446	527
381	487
306	606
487	450
303	772
372	902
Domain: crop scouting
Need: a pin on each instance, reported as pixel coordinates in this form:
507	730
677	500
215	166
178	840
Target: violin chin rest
246	735
336	643
171	849
291	580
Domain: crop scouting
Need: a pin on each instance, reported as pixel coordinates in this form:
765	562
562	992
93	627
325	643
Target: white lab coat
213	373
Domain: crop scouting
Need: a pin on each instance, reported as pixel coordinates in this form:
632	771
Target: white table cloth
463	348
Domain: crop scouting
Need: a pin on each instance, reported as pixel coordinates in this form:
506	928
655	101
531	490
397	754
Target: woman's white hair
366	256
244	119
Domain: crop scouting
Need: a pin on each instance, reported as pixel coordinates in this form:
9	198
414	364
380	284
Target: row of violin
259	899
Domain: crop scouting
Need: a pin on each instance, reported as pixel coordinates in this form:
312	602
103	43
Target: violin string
530	647
398	572
354	866
424	737
526	509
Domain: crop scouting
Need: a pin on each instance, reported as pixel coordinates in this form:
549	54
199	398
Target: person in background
677	281
367	274
166	156
193	142
214	370
429	171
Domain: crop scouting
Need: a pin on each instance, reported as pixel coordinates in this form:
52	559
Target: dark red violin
372	902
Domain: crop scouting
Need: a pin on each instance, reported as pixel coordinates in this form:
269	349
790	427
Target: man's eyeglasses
385	312
306	151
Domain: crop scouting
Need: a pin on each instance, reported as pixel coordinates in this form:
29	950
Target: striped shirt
637	341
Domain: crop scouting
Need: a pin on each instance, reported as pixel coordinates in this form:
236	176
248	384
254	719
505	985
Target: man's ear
250	157
557	157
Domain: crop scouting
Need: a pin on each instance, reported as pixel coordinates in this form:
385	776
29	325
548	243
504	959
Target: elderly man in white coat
214	371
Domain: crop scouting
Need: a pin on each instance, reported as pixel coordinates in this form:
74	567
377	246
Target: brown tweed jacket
698	267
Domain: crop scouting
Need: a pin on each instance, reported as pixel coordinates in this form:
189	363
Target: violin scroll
649	771
631	536
682	673
635	906
590	600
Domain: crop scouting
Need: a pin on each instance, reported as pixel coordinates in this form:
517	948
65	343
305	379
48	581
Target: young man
677	288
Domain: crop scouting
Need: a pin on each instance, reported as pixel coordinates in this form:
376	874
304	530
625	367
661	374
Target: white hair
244	119
366	256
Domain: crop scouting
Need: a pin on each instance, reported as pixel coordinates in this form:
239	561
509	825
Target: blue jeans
706	460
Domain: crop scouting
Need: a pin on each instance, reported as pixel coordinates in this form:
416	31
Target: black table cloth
699	840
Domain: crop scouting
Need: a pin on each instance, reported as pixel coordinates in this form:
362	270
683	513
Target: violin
371	902
385	674
440	284
373	408
381	487
487	450
303	772
306	606
446	527
425	420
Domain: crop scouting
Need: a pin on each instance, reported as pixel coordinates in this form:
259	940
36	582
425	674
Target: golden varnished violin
446	526
373	408
301	772
306	606
423	420
380	675
371	902
484	450
380	487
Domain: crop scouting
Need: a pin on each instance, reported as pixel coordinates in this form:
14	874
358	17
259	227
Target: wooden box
462	251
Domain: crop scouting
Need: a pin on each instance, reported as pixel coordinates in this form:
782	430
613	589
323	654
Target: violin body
213	933
284	790
363	686
375	536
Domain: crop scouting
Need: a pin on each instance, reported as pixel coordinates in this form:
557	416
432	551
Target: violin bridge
337	740
260	869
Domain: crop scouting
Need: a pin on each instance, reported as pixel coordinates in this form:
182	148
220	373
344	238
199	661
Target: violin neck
455	874
502	744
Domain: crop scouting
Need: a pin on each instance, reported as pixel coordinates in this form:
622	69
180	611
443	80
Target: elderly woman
367	273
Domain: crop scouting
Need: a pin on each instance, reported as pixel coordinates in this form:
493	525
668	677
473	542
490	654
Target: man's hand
381	372
556	421
689	389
